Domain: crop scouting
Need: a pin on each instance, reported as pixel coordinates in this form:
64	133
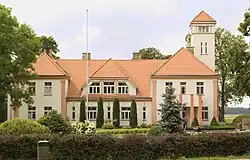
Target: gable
183	63
109	70
46	66
203	17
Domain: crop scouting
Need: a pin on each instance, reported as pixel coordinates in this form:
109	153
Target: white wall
190	89
140	106
40	100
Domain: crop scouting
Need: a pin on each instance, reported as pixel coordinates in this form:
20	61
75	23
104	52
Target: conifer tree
82	111
171	121
100	114
116	112
133	115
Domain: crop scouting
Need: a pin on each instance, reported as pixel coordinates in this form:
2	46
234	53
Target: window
92	113
205	47
122	88
144	117
32	88
73	113
183	87
32	112
47	109
48	89
125	113
200	87
167	85
109	87
94	88
201	47
204	113
109	113
184	113
203	29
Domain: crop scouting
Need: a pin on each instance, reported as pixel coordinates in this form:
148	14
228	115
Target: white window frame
122	88
183	86
48	88
203	29
95	88
47	109
109	88
200	88
204	113
32	88
205	47
125	113
92	113
32	112
73	113
201	48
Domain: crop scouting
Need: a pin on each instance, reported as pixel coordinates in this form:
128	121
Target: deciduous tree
49	45
151	53
19	48
244	26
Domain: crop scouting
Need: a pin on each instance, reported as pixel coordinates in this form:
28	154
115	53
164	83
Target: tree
19	48
151	53
230	58
171	121
133	115
82	111
49	45
100	114
244	26
116	112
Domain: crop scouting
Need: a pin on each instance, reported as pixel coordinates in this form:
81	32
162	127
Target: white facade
203	41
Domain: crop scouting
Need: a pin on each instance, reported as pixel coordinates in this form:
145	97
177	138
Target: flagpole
87	66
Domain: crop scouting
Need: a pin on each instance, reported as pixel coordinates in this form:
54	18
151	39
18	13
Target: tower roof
203	17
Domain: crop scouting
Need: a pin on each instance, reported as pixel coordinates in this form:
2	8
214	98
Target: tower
203	38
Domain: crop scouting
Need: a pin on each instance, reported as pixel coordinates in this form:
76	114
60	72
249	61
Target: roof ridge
56	64
100	67
120	68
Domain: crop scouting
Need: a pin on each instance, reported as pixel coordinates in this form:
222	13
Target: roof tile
203	17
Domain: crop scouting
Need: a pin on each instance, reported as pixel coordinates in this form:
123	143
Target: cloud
93	33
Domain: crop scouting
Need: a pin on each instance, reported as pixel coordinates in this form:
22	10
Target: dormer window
122	88
203	29
94	88
108	87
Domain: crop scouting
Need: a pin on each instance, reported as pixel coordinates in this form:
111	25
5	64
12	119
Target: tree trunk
16	112
223	103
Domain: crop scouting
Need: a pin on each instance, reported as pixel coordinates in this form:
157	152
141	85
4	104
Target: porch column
180	101
154	113
191	108
200	110
63	99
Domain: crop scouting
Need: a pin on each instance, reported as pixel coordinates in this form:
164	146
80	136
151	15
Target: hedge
123	131
239	118
225	127
103	147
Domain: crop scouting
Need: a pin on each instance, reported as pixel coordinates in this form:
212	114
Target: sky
116	29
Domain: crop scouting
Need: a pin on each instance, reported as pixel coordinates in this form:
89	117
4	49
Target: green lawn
230	117
215	158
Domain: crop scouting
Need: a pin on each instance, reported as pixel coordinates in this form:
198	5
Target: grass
215	158
230	117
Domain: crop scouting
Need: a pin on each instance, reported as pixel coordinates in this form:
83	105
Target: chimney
48	51
84	56
191	49
136	55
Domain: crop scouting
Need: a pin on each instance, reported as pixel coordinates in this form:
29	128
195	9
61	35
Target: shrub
195	122
116	112
214	122
145	125
79	127
239	118
100	114
56	123
3	112
82	111
155	130
22	126
124	131
108	126
133	115
90	128
131	147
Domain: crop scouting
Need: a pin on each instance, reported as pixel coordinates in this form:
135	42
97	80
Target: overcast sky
117	28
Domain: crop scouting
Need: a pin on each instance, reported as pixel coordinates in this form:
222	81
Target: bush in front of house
22	126
214	122
56	123
124	131
116	112
239	119
79	127
82	111
133	122
131	147
155	130
100	114
195	122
